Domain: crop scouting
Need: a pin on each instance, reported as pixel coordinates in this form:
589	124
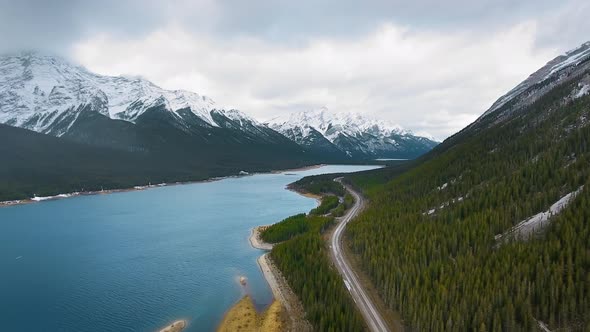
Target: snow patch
444	205
37	90
551	69
537	222
45	198
583	90
572	58
543	326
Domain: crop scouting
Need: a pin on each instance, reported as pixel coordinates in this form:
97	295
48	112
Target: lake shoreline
279	286
255	240
181	269
283	293
32	200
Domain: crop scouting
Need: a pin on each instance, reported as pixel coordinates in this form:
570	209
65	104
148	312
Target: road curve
367	308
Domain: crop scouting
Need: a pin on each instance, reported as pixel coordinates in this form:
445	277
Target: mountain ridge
355	135
40	88
552	73
49	95
437	226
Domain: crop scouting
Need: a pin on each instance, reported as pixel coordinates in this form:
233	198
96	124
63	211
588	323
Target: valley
363	167
428	236
177	250
76	131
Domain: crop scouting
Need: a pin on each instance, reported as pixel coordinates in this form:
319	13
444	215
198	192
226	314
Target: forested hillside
429	239
302	256
36	164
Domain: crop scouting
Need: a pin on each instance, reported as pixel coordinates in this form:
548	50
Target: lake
136	261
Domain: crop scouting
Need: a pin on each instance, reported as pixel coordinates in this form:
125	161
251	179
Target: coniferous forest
328	203
429	238
302	257
436	238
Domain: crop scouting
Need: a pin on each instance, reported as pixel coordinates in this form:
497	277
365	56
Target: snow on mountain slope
248	127
353	134
48	95
554	72
38	92
239	117
333	124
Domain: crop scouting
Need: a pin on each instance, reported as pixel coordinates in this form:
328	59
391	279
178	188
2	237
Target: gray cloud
56	24
431	66
302	19
565	27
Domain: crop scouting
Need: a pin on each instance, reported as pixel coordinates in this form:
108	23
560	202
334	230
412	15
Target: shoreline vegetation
287	236
149	186
291	315
284	297
255	240
285	313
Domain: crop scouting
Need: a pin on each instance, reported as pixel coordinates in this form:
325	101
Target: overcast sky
430	66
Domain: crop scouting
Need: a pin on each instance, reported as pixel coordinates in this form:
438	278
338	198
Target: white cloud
426	81
566	26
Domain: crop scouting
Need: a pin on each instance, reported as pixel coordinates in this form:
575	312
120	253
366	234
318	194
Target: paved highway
367	308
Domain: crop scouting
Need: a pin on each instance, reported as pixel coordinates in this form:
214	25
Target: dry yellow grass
244	318
274	318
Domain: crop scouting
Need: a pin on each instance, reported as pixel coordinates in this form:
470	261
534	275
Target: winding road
367	308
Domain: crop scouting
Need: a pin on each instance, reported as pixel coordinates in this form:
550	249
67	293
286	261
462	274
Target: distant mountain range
168	135
49	95
352	134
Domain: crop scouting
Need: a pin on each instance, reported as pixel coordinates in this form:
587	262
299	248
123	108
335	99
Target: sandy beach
256	241
301	192
318	198
304	168
278	284
283	293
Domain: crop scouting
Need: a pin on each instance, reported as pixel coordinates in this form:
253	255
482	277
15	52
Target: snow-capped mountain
355	135
49	95
562	69
46	93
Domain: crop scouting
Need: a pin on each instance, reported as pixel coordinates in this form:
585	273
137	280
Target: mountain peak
554	72
37	90
352	133
236	115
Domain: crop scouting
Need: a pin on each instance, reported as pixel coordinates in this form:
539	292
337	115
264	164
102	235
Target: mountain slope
49	95
43	93
433	238
156	134
355	136
37	164
312	140
555	72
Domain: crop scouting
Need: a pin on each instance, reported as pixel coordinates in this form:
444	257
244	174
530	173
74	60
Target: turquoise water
136	261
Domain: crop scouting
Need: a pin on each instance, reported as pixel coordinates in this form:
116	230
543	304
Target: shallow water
136	261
